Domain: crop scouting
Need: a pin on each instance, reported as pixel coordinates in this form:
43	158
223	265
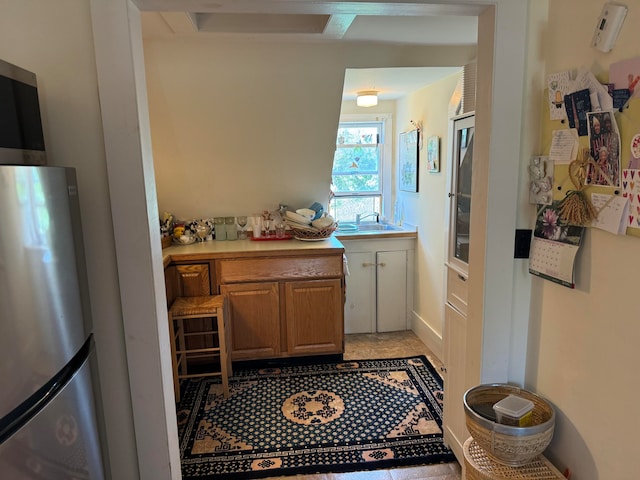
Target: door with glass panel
460	194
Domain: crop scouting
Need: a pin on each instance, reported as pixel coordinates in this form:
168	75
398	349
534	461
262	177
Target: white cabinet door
359	309
392	290
455	347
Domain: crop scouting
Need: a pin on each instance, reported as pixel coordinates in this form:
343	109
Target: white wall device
608	27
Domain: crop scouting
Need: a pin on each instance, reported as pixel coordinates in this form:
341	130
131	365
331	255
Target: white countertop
243	246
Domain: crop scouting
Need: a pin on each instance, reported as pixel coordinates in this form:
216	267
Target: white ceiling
388	22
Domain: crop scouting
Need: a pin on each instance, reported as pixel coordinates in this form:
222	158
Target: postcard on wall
578	104
604	148
613	211
558	85
631	191
626	75
564	146
541	180
554	247
408	161
598	93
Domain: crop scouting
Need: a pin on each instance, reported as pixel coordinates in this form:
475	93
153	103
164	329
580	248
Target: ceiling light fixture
367	98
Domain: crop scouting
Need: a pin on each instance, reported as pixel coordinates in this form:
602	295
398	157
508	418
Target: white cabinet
379	293
391	291
455	318
462	135
455	335
360	306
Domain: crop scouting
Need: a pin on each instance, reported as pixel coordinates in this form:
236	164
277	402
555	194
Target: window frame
386	158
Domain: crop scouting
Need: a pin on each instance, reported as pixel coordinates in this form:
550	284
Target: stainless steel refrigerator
48	421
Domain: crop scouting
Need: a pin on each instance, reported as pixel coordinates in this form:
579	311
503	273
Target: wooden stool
215	338
478	466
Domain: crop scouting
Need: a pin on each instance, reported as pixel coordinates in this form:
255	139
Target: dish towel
345	264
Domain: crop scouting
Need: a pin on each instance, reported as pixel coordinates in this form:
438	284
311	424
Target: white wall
427	208
584	342
234	128
55	41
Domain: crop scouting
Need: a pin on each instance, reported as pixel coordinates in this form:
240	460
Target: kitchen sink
367	227
376	227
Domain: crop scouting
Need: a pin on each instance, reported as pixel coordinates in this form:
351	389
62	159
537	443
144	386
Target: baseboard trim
431	338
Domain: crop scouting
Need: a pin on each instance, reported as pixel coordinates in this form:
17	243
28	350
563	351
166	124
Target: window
357	171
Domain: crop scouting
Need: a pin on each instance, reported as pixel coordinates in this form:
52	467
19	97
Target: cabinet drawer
457	290
257	269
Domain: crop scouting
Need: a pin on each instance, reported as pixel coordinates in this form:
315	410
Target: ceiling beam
338	25
386	7
180	22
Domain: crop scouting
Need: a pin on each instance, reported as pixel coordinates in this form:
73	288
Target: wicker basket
508	445
166	241
312	233
478	466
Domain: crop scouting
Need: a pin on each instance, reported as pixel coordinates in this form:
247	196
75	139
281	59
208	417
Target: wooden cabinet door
314	317
254	314
170	284
455	347
193	280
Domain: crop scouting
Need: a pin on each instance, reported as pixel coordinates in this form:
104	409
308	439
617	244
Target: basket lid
513	406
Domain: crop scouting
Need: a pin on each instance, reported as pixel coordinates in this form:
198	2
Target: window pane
356	183
357	166
352	134
356	159
346	208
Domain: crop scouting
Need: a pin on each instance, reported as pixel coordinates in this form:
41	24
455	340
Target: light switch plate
608	26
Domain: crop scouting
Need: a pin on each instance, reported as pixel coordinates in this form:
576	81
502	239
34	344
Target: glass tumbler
231	228
220	228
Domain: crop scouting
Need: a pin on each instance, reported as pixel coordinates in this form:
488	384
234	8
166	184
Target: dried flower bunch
576	208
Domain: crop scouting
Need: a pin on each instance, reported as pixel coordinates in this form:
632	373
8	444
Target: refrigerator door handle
20	416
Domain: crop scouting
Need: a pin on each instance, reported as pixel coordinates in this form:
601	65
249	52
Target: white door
359	309
392	290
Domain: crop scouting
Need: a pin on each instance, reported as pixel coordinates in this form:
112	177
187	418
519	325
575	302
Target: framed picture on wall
408	161
433	154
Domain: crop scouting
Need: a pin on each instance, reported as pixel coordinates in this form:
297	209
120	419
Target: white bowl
186	239
323	222
298	218
306	212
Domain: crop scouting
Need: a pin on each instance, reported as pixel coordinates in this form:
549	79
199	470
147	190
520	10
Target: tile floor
389	345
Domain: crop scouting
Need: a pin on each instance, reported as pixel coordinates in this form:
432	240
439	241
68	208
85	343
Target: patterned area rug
334	417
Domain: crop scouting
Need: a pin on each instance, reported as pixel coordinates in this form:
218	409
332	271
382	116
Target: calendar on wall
554	246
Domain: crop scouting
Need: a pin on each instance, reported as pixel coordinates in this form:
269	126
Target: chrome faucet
360	217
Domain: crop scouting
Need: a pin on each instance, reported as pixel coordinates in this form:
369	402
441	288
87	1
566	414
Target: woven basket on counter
508	445
166	241
312	233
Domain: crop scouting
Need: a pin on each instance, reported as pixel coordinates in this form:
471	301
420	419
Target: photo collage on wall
593	112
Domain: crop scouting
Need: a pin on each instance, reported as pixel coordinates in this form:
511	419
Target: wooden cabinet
254	313
282	303
313	315
284	306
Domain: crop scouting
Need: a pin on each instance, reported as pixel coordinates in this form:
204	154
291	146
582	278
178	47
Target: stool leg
174	360
182	345
224	355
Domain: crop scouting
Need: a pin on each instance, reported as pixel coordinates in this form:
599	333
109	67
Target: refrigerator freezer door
60	442
45	309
